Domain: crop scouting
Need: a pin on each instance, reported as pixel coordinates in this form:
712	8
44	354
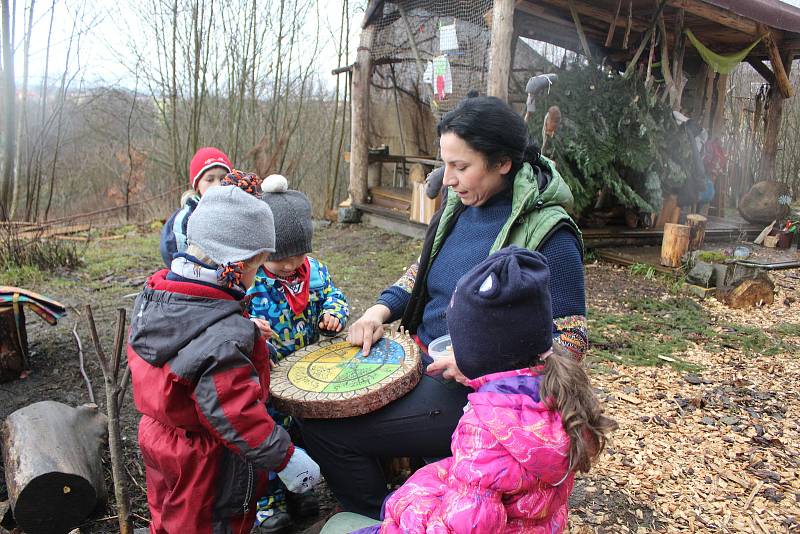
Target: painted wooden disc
333	379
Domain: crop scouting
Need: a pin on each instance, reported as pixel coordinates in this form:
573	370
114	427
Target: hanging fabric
717	62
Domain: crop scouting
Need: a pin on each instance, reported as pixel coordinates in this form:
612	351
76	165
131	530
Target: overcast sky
103	48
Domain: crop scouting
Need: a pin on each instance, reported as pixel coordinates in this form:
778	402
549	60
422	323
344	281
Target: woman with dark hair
501	192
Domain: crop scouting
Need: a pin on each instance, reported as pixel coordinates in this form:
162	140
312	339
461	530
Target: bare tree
9	108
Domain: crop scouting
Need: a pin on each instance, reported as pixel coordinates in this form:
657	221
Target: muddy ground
708	435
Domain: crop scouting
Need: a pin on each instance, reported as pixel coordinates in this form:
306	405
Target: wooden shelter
402	40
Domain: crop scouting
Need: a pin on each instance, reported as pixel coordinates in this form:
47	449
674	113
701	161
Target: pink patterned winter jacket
508	473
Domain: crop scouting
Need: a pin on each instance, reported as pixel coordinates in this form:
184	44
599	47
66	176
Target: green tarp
717	62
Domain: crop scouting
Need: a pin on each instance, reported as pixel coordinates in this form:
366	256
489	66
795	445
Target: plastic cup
440	347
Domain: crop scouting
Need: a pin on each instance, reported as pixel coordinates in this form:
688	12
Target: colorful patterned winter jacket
508	473
289	331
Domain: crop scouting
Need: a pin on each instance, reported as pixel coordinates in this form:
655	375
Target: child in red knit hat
208	166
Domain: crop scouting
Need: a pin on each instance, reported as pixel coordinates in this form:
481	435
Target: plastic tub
440	347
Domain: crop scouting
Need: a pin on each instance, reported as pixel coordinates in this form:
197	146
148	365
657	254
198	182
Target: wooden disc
333	379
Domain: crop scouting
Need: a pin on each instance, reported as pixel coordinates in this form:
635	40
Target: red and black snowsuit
200	374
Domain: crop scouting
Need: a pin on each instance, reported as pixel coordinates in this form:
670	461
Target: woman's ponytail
566	387
532	152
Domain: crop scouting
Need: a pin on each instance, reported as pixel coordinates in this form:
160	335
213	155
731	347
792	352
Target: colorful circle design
341	367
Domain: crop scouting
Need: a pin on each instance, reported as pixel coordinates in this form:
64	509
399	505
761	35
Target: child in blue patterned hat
292	301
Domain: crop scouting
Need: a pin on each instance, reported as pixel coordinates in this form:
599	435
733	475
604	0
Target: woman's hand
369	327
330	323
447	366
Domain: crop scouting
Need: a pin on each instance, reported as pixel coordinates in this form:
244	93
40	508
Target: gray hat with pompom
294	228
230	225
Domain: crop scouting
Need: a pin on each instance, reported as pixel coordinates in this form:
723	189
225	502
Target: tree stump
749	293
674	245
13	344
52	457
697	230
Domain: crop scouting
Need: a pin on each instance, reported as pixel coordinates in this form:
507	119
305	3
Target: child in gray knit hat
200	375
292	301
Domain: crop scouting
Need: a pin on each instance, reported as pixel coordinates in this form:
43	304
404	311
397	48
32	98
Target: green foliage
653	328
755	341
711	256
642	269
23	260
614	133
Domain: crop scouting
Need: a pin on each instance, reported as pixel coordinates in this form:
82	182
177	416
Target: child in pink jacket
531	423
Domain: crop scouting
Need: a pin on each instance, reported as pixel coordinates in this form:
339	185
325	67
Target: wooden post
500	48
359	109
674	244
774	114
697	230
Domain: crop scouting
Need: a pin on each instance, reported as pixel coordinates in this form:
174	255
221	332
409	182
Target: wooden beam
628	25
678	49
646	37
778	68
669	81
500	48
579	28
359	109
613	26
543	13
772	130
598	13
762	69
718	15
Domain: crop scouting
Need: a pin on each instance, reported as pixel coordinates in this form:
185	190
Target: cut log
13	343
52	458
697	230
674	245
749	293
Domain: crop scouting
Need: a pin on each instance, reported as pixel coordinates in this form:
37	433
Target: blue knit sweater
467	245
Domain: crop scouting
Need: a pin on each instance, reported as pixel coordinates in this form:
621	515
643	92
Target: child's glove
301	473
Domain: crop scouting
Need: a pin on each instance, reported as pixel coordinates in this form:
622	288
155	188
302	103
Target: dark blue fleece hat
500	316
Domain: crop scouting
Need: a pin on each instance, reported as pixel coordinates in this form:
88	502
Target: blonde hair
565	386
189	193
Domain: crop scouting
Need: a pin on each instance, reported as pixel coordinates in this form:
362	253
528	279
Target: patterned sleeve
406	282
567	287
335	302
257	302
396	296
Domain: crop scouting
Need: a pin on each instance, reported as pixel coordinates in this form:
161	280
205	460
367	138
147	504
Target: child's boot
272	517
303	505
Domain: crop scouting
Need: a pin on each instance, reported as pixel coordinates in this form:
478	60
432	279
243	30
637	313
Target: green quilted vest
533	214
